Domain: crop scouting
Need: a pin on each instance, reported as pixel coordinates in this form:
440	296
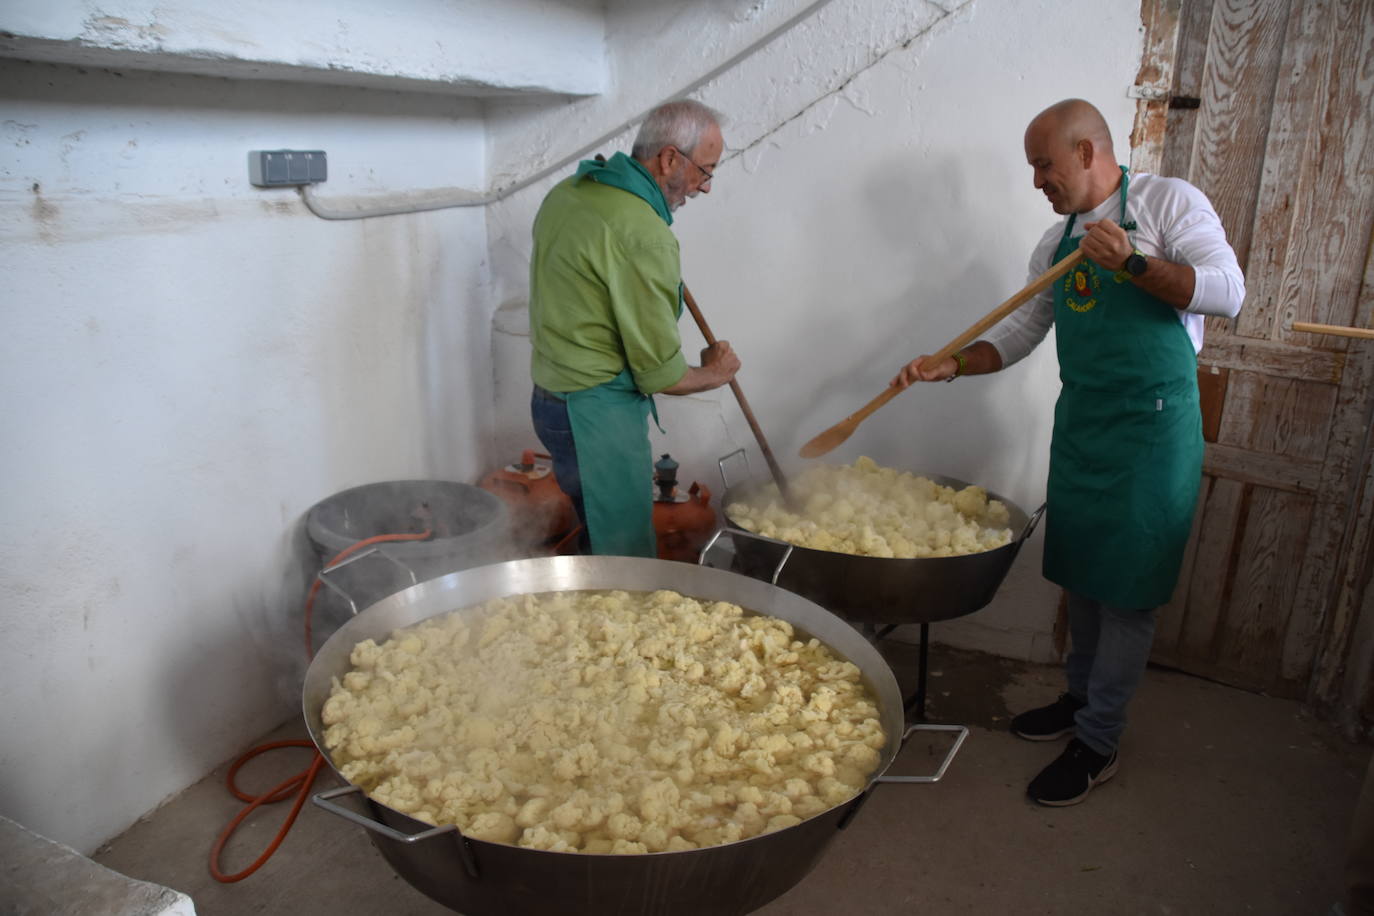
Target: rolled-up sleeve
643	289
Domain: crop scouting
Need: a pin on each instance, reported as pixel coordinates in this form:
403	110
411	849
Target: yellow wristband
960	366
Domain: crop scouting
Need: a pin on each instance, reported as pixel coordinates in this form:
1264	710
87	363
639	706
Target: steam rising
606	722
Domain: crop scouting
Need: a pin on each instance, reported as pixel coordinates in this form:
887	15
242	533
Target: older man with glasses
605	298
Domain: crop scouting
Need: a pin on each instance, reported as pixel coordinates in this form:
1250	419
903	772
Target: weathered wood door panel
1282	141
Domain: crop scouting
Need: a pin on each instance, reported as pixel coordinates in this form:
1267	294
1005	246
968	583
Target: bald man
1126	453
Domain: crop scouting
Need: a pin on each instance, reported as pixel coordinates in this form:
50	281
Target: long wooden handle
841	431
865	411
1338	330
1057	270
739	395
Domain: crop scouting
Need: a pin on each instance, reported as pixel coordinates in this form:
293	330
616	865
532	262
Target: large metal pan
878	589
481	878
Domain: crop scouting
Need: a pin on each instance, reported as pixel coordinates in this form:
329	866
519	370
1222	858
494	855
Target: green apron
610	421
1126	455
611	434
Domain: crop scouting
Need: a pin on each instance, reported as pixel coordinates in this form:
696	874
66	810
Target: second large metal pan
878	589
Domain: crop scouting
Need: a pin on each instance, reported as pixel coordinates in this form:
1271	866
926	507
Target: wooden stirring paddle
739	396
835	435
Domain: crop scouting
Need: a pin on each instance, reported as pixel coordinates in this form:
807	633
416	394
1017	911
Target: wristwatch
1136	263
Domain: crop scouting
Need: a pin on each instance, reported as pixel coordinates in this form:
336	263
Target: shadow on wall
279	637
243	667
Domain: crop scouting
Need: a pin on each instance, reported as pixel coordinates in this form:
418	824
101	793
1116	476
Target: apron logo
1080	286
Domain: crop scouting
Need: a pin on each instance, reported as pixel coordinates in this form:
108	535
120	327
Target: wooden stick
1036	286
739	396
1335	329
837	434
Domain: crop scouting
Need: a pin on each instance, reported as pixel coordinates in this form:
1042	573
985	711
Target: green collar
621	171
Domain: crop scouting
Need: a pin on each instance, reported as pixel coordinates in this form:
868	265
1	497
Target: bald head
1070	148
1073	120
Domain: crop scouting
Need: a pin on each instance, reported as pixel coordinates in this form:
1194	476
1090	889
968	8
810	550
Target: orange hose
306	778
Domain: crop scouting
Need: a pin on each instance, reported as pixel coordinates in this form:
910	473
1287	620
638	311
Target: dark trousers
550	415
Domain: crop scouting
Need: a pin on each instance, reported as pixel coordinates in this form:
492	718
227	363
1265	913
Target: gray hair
680	124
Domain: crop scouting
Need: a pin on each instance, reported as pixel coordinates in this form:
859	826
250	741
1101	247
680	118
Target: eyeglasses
705	171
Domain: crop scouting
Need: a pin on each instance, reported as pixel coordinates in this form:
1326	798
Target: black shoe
1069	779
1048	722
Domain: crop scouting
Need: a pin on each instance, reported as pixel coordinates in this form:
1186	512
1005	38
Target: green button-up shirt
604	279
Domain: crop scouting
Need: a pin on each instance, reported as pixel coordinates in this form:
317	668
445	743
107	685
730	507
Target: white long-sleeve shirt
1175	222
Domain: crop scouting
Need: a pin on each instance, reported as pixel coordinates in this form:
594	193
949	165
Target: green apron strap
610	431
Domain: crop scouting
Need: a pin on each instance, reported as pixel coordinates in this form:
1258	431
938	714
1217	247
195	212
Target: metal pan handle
939	774
944	764
720	463
339	590
325	801
739	532
1034	520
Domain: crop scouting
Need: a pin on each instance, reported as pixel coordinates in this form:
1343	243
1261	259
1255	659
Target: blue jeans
550	415
1111	646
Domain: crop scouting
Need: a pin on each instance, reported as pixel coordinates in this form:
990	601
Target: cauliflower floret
532	812
624	826
541	837
341	706
365	655
658	802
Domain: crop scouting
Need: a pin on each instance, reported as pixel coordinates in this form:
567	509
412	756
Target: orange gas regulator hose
306	778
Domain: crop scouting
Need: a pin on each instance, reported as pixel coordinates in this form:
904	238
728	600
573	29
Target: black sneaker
1048	722
1069	779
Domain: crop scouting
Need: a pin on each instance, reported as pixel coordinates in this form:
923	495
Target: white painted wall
873	203
188	363
483	46
654	50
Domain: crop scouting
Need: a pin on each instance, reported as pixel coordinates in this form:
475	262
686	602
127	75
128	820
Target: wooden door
1266	106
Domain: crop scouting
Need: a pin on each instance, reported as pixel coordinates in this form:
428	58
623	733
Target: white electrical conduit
443	199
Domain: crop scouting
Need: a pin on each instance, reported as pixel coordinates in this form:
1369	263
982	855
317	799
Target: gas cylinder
542	516
683	523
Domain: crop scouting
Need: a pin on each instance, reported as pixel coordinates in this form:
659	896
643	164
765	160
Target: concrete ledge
476	48
41	876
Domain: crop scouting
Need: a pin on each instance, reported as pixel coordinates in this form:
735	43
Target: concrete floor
1225	802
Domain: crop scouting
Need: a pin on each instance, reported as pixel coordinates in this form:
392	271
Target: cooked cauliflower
604	722
874	511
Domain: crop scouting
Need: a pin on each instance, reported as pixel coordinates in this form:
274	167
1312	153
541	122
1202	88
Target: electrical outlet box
274	168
